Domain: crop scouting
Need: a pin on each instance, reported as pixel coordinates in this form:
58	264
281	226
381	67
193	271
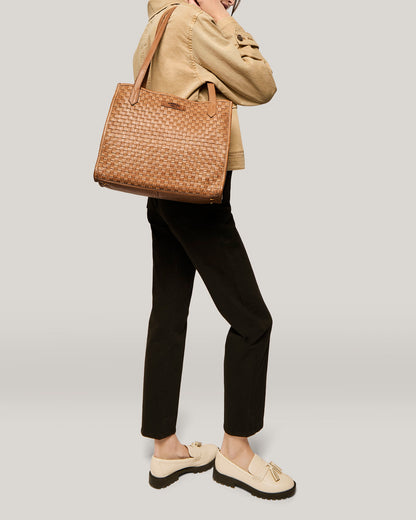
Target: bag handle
142	75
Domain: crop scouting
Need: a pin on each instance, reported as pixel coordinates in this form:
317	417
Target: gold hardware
274	470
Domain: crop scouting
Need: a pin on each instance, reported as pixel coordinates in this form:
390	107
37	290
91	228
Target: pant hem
156	435
243	433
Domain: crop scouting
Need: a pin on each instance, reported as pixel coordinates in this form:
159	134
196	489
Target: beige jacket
193	50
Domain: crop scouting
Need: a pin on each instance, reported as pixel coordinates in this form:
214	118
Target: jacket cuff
228	25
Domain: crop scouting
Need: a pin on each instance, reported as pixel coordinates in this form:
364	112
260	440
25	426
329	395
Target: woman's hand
214	8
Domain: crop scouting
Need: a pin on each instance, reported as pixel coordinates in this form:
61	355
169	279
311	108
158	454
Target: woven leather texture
165	146
171	151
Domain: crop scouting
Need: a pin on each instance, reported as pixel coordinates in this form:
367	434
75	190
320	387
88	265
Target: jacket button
239	37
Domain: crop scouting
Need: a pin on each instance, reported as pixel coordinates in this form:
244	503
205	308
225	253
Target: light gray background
326	210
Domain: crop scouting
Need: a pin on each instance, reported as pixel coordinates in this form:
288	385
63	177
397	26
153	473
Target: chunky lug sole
233	482
161	482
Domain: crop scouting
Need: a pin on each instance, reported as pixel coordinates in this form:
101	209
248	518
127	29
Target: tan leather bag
164	146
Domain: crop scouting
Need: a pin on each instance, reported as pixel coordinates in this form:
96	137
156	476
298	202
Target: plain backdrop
326	209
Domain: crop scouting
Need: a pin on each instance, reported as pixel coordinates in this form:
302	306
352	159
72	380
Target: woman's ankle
233	446
169	448
238	450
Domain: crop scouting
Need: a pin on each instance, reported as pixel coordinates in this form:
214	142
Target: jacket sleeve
230	53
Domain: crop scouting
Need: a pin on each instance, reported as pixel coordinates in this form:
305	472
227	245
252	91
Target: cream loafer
164	472
263	479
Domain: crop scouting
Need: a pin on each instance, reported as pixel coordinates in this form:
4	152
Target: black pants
186	237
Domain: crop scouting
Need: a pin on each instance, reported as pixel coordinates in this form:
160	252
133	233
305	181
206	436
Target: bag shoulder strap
135	92
134	95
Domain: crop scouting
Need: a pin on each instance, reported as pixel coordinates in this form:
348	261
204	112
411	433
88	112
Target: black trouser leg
211	242
173	278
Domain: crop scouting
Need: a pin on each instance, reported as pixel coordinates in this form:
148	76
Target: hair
236	4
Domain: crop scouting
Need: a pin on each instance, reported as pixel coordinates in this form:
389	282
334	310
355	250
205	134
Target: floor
342	427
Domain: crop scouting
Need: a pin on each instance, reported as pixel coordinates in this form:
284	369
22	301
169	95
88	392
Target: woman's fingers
192	2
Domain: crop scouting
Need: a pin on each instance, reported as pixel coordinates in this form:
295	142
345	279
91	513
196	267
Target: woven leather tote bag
164	146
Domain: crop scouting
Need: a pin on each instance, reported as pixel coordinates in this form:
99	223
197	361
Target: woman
203	42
